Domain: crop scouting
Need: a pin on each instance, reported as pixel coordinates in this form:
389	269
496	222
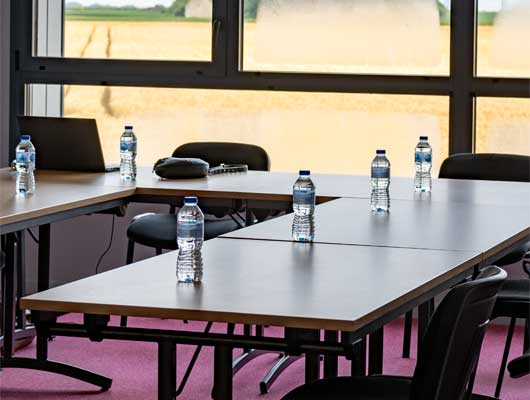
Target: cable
33	236
109	245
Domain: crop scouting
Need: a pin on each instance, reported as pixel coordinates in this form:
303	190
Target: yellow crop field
329	131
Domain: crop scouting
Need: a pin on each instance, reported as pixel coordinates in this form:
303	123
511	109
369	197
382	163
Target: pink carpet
133	368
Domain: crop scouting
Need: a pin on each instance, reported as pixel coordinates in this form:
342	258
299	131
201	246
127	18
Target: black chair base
273	374
103	382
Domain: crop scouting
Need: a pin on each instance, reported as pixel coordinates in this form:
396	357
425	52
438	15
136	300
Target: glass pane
137	29
503	126
504	38
408	37
325	132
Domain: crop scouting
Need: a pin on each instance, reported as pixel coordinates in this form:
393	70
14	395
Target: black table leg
222	373
425	311
167	370
20	281
312	360
407	333
43	282
358	362
9	326
8	323
331	362
375	355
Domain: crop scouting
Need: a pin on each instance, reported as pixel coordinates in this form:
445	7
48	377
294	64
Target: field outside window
503	126
326	132
503	40
138	29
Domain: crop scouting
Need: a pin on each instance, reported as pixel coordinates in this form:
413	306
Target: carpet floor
133	368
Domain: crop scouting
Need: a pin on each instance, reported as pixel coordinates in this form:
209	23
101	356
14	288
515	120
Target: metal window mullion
462	67
234	55
89	67
501	87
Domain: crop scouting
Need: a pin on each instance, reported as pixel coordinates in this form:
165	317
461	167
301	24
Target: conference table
361	272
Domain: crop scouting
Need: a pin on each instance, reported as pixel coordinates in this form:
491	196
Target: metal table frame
296	341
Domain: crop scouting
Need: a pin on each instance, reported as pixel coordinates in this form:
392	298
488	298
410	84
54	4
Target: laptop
70	144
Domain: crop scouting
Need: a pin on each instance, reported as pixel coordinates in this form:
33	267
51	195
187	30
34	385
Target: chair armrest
137	217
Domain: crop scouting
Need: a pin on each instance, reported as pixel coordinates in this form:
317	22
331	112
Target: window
326	132
409	37
503	126
136	29
504	38
335	78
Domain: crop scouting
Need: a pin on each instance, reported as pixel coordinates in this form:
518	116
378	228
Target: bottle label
190	229
381	172
423	157
304	197
128	146
25	157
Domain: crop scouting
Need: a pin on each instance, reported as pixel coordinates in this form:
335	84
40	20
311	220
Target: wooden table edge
29	303
41	212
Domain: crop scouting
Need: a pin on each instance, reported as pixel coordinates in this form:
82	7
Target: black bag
181	168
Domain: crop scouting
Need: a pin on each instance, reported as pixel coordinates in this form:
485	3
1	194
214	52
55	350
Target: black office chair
520	366
450	352
160	230
513	301
493	167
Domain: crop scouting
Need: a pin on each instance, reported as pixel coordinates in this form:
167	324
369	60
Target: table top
266	282
410	224
51	197
259	185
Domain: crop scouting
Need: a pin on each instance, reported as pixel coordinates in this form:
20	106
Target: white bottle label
422	157
25	157
380	172
304	197
190	229
128	146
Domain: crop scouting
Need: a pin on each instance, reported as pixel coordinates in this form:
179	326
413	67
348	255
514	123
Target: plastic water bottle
423	162
190	236
25	164
128	154
380	199
304	208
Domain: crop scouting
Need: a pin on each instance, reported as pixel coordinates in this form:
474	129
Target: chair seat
513	299
515	290
160	230
514	256
362	388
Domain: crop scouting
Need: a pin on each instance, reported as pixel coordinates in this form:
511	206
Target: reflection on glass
358	36
138	29
323	132
504	38
503	126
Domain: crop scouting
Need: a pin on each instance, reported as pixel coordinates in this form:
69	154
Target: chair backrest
491	167
453	339
216	153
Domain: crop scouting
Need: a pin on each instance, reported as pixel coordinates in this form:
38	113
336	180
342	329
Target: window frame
462	85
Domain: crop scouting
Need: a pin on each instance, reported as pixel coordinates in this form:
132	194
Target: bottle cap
128	127
380	152
190	200
25	137
305	172
424	137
